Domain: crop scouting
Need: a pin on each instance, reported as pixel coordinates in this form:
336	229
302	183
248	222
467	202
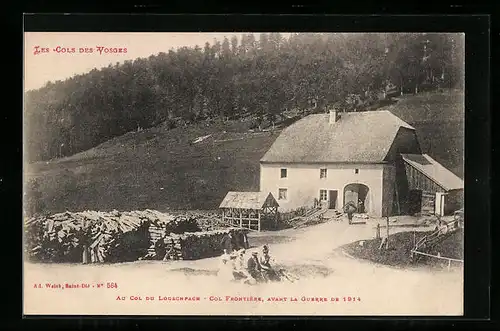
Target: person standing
246	245
242	241
238	241
349	216
349	209
361	207
227	242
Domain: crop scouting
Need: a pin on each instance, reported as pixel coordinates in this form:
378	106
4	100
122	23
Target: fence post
387	240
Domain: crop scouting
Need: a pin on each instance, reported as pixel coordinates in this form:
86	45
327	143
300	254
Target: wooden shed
252	210
433	189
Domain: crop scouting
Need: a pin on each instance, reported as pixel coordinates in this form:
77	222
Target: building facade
333	184
336	159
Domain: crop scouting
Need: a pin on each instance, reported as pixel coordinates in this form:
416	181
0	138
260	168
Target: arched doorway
358	195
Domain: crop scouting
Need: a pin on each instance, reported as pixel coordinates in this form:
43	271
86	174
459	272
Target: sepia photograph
243	173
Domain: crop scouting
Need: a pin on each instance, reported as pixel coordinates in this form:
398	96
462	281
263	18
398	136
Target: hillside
156	168
401	245
451	246
162	168
229	79
439	118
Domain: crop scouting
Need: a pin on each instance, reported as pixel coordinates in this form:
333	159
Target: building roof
434	171
248	200
357	137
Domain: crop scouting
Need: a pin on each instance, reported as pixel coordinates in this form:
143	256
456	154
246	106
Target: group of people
255	269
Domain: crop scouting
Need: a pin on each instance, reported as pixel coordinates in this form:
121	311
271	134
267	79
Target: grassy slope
439	119
155	169
452	246
401	245
161	169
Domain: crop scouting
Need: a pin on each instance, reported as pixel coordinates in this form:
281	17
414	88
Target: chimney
334	116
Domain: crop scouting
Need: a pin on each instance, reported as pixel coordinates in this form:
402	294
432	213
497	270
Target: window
323	195
282	194
283	173
356	171
322	173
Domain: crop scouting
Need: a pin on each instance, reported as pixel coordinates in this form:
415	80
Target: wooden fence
432	239
439	257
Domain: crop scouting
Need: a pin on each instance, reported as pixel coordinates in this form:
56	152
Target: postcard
243	173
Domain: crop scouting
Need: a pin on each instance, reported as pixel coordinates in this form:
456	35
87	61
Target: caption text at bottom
228	298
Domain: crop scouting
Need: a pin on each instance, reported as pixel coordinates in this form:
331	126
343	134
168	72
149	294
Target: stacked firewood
93	236
207	220
161	228
198	245
209	223
182	224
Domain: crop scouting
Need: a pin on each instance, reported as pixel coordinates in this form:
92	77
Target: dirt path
318	241
308	252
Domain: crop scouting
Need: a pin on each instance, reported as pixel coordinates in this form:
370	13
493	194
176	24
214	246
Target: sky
52	65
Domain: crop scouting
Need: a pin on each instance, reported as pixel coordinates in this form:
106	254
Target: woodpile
207	220
199	245
93	236
159	230
210	223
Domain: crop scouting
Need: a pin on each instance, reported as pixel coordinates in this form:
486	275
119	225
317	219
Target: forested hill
230	79
194	167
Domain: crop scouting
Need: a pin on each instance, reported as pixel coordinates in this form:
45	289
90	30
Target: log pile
210	223
198	245
160	229
182	224
93	236
207	220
